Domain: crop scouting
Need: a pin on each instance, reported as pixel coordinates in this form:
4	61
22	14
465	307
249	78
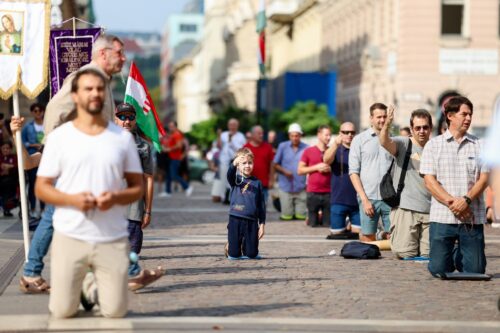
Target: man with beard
89	196
107	58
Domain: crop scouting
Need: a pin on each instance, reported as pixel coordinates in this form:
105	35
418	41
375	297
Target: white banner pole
22	181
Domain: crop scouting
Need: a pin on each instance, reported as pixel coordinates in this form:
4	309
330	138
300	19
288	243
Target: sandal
38	286
145	277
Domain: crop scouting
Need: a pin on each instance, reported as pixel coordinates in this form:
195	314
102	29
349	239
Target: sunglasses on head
348	132
418	128
123	117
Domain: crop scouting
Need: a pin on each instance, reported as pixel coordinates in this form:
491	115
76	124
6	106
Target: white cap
295	128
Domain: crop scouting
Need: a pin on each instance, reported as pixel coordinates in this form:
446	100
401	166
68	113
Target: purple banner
69	50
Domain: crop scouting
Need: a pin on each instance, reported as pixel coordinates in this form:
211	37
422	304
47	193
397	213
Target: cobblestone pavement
295	279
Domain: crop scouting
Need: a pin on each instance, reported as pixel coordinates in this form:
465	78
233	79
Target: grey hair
104	42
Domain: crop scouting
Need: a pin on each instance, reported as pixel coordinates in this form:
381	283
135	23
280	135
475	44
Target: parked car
200	171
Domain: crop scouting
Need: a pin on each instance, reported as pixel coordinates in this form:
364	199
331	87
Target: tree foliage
309	115
205	132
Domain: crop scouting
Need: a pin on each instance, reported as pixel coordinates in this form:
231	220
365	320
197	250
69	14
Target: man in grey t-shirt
139	212
409	221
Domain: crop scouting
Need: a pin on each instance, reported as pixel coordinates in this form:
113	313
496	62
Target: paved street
296	287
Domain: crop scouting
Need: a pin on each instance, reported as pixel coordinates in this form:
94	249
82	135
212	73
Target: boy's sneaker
189	191
164	195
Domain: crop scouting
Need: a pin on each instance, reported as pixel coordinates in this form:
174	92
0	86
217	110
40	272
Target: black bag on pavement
387	192
358	250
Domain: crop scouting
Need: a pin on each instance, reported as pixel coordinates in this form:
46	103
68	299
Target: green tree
308	114
205	132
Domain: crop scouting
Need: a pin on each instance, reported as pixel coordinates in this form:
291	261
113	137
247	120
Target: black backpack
358	250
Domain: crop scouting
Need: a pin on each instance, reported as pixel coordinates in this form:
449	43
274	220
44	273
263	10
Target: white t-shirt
229	147
96	164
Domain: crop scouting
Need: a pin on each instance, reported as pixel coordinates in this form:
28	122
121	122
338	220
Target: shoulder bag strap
401	183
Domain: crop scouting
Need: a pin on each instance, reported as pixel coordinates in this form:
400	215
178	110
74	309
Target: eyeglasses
348	132
124	117
420	128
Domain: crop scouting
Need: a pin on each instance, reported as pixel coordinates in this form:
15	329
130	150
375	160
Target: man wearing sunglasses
343	201
139	212
409	221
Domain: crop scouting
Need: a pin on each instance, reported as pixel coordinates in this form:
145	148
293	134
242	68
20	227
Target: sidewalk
297	287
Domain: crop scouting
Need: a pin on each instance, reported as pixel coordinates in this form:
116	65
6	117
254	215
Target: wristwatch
467	199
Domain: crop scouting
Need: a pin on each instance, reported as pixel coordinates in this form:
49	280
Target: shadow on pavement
160	246
220	283
216	270
182	256
219	310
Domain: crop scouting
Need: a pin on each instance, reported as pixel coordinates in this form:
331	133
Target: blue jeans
40	243
338	215
456	246
174	176
135	237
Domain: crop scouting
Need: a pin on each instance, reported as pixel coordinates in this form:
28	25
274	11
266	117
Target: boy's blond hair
244	152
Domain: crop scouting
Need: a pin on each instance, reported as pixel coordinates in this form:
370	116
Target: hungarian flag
137	94
261	30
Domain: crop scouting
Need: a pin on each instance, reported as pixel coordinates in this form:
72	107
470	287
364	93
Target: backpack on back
358	250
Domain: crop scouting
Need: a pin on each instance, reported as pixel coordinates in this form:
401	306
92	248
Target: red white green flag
138	95
261	30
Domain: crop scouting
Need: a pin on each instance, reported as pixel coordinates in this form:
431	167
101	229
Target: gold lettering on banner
73	54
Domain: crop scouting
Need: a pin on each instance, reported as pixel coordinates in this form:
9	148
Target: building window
188	28
452	17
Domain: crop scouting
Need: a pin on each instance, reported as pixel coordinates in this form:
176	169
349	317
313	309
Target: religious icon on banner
11	32
24	46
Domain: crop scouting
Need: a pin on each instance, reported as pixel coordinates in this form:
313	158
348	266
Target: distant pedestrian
247	210
405	131
409	221
8	178
228	142
32	136
343	201
263	159
90	199
318	178
291	185
456	177
368	162
175	149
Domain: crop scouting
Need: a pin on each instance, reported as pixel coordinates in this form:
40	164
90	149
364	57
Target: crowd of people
95	203
439	184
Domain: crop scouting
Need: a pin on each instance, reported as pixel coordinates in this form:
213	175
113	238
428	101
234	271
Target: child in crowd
247	212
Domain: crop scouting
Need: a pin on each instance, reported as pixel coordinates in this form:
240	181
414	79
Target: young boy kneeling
247	212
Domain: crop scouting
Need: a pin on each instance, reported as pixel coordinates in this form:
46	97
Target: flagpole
22	181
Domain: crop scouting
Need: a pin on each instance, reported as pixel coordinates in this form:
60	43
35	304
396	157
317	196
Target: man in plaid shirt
456	178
